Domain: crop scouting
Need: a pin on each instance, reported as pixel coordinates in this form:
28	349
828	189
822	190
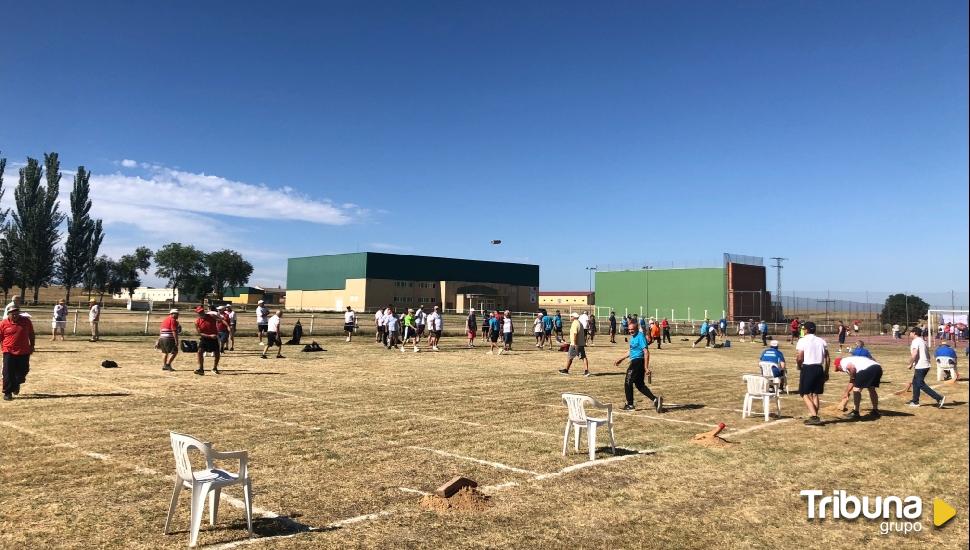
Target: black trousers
666	335
764	338
15	369
634	377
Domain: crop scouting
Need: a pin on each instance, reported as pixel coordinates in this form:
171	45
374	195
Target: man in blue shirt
704	334
547	328
639	356
774	355
722	326
860	350
946	351
557	321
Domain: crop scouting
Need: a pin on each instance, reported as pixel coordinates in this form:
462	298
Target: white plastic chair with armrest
780	382
209	481
759	387
945	364
578	419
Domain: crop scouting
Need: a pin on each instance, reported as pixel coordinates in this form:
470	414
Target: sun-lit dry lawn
85	457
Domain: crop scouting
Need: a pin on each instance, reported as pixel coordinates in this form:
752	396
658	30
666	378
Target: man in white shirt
420	321
507	330
379	325
59	321
742	328
434	328
919	361
350	321
262	322
94	317
864	373
538	331
813	366
273	334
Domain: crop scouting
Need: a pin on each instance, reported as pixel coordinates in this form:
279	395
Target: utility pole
778	267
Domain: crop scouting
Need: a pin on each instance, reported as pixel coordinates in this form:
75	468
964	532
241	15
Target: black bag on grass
108	364
313	346
190	346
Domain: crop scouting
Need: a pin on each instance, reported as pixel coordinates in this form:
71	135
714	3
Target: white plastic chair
780	382
945	364
578	420
759	387
209	481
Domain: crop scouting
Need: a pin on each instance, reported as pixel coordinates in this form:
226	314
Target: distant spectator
860	350
94	318
59	320
774	355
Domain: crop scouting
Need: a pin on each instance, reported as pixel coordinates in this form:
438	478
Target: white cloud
128	163
207	194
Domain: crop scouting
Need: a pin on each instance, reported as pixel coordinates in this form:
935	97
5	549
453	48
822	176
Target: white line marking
590	463
761	426
498	465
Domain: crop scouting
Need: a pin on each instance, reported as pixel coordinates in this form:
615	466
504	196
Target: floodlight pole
591	269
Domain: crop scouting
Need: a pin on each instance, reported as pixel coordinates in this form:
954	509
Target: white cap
574	315
471	310
173	311
773	343
220	307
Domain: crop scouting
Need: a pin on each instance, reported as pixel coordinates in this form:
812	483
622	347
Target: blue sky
832	133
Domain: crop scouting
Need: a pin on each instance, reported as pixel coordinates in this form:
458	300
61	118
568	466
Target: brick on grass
454	485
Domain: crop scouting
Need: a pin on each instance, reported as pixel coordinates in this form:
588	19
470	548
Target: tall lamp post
591	270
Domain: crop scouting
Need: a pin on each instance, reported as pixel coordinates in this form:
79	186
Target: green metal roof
331	272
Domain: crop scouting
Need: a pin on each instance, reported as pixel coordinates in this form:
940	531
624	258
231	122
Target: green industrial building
736	291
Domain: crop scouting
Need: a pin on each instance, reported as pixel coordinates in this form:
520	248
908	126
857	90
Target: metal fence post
310	332
75	322
148	316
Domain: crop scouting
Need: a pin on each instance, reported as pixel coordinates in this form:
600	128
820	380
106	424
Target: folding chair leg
214	505
591	439
576	437
175	501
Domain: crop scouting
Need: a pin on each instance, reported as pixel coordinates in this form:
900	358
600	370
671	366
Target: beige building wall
353	295
565	300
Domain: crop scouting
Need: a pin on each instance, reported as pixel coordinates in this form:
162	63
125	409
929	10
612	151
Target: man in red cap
208	328
864	373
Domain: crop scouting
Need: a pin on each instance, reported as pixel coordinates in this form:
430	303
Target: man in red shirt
168	339
794	330
208	328
17	336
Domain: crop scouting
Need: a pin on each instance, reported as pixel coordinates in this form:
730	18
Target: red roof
565	293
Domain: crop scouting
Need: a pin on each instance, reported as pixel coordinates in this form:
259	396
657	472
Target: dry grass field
342	444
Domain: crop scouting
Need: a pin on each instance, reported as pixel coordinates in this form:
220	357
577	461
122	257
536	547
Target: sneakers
813	421
853	415
629	407
403	350
659	403
939	404
200	372
564	372
215	371
416	350
874	414
348	338
912	404
501	351
168	367
435	348
7	397
586	374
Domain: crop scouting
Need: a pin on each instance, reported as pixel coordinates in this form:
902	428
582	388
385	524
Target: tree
7	273
130	265
904	310
177	263
33	234
103	277
227	268
78	257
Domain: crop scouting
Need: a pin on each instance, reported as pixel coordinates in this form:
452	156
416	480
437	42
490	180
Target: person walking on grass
486	324
94	318
842	332
705	334
471	327
919	361
763	329
665	328
591	330
655	333
557	321
547	327
59	320
379	325
273	334
434	328
863	374
223	328
392	327
17	341
420	321
794	326
410	331
262	320
207	327
612	327
350	322
639	356
507	330
494	331
168	339
813	366
231	317
577	345
538	331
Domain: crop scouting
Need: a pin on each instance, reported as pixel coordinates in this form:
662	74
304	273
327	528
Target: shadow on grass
223	372
620	451
682	406
607	374
70	395
56	351
262	527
